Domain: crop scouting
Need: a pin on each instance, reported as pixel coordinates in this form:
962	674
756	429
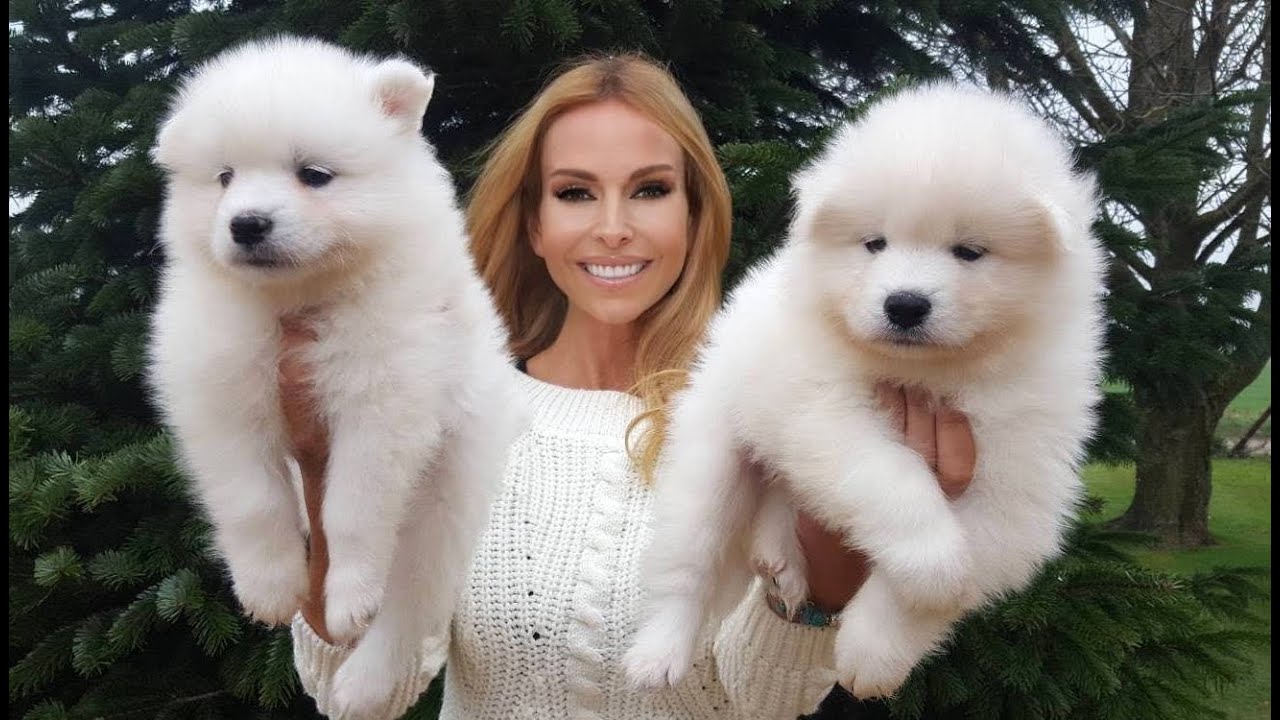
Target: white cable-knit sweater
554	594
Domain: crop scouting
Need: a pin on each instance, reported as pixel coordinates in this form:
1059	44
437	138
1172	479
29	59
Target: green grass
1242	412
1240	520
1246	408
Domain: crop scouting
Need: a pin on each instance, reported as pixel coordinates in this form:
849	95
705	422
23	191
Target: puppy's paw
870	660
933	571
351	599
272	592
362	687
786	578
659	657
941	580
777	556
654	668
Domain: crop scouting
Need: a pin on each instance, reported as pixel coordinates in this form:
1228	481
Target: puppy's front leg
775	547
432	557
379	457
851	474
702	509
881	640
244	484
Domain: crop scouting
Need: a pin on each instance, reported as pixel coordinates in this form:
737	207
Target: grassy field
1246	408
1243	411
1240	520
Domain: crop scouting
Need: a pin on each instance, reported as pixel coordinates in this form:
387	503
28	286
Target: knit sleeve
317	661
771	668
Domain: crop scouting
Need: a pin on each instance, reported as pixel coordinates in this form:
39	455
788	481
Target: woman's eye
968	252
653	190
875	243
573	193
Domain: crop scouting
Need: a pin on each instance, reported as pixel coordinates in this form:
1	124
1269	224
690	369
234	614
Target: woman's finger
920	432
957	453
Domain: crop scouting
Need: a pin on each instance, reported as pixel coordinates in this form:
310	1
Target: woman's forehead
608	135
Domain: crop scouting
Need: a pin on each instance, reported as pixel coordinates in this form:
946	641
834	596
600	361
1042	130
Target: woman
601	224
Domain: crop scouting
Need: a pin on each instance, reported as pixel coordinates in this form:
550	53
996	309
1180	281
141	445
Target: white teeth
614	272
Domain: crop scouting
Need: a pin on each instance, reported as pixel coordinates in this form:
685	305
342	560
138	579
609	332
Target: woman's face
613	221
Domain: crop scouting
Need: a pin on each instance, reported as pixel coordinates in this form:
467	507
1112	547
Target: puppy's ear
830	222
171	137
1060	227
818	216
403	90
160	151
1067	214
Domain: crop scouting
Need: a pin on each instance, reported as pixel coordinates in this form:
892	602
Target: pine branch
167	704
1135	263
1255	187
1223	234
42	663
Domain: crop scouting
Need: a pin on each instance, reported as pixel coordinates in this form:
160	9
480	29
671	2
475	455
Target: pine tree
116	608
1095	637
1170	103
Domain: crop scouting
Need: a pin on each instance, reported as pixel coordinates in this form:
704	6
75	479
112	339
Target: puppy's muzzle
907	310
250	229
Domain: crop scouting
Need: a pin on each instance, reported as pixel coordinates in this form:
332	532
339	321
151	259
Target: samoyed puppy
941	242
299	182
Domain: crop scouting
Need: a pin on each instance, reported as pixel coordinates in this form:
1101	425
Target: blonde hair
504	201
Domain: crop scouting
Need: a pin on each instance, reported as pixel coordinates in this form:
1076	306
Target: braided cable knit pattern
554	597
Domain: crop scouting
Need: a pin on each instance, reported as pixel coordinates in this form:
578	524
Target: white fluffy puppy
298	181
942	242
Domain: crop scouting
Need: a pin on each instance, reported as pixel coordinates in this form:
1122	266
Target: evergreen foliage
1096	637
117	608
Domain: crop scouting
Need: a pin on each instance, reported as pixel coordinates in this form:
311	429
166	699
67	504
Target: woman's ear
534	231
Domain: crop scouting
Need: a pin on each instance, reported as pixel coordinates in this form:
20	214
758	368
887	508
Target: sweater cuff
778	668
317	661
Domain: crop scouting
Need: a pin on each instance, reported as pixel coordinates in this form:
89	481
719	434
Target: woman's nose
612	226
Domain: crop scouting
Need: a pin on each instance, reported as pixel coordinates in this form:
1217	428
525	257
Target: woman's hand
309	440
941	436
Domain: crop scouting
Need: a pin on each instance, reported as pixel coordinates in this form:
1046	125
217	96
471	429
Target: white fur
787	380
409	369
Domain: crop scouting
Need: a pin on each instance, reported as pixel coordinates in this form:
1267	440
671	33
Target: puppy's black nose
250	229
907	309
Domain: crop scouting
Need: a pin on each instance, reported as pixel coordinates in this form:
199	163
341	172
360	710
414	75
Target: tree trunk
1171	501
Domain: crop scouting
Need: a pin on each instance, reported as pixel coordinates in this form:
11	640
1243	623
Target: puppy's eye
314	176
968	252
224	177
875	243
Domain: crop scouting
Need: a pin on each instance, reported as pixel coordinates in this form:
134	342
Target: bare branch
1108	114
1241	71
1120	276
1134	263
1246	9
1212	246
1216	32
1126	42
1256	187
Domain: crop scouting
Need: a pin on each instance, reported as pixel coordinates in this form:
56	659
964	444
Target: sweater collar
568	410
